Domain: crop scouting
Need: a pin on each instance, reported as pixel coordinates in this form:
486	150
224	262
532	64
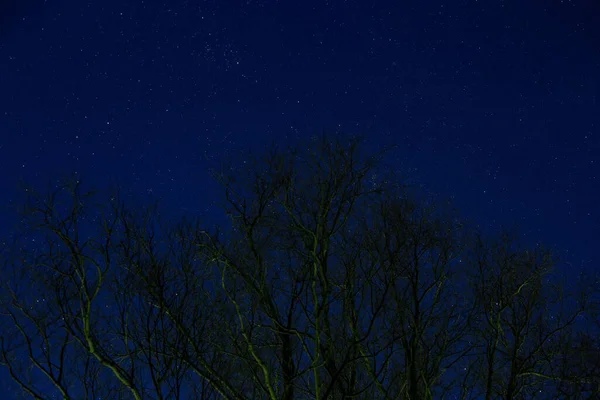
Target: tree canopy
333	280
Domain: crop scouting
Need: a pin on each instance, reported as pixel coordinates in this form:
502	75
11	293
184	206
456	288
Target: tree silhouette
522	319
332	281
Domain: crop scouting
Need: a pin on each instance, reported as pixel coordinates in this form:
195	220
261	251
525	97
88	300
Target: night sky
494	104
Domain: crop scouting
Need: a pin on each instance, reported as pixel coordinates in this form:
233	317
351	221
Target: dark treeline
333	280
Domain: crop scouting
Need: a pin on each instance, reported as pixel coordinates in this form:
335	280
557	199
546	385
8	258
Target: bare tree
333	281
80	317
524	321
282	271
341	284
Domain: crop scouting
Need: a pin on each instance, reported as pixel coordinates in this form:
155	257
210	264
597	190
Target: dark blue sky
495	103
492	102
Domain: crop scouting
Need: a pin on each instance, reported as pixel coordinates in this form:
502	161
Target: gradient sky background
493	103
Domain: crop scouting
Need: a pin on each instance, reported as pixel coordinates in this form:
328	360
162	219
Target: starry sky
493	104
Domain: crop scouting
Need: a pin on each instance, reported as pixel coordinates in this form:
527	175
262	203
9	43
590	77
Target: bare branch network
333	281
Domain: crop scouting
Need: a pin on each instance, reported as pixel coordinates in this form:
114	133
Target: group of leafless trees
333	281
